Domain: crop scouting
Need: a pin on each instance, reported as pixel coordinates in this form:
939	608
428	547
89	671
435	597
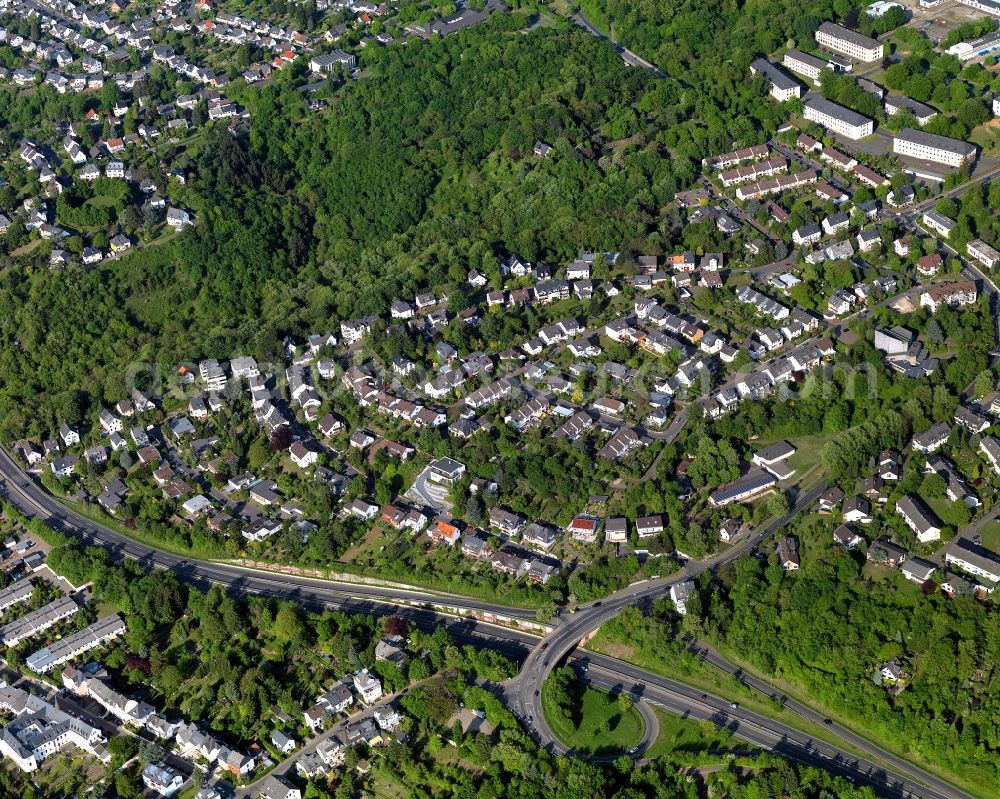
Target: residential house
920	520
847	537
680	593
367	686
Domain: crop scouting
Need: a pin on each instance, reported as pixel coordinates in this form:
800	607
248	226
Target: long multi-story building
776	185
15	594
783	86
851	43
46	659
838	119
37	621
735	157
895	103
805	64
989	6
973	560
932	147
754	171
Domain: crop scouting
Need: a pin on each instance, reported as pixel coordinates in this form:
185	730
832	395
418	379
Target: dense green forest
413	175
829	631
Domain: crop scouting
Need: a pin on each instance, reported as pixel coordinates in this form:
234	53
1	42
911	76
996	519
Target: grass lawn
26	248
603	729
987	136
807	450
991	536
683	735
940	507
102	201
877	572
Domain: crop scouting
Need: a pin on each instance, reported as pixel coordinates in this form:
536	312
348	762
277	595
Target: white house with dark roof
989	446
919	519
847	537
932	439
679	595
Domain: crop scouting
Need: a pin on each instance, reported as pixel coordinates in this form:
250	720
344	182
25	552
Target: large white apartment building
783	86
932	147
851	43
894	103
989	6
973	560
838	119
40	729
805	64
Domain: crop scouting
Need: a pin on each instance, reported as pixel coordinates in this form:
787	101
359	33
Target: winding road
538	657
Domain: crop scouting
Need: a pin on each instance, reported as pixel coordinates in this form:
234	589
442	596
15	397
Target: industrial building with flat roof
747	487
851	43
978	48
838	119
983	252
932	147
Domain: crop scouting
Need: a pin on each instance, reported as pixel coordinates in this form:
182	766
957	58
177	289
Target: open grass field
679	735
603	727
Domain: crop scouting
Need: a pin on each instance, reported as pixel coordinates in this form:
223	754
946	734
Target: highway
758	730
586	621
525	691
538	658
20	490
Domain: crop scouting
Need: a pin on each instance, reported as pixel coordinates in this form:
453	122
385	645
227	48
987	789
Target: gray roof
777	76
946	143
845	115
806	58
914	511
919	110
776	452
979	558
833	29
919	567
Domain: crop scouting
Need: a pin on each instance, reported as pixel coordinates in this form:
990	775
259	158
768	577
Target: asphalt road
586	621
715	659
761	731
537	659
33	501
626	55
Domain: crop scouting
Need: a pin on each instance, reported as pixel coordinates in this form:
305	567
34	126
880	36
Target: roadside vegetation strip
208	556
589	720
702	741
792	692
697	674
